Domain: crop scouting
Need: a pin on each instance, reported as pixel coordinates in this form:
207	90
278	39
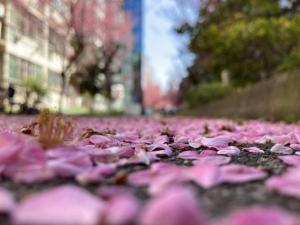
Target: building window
13	68
20	70
54	80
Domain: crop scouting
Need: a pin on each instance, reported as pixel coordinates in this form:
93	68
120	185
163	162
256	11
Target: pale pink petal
208	152
213	160
66	205
287	184
292	160
188	155
122	210
96	174
281	149
206	175
259	216
235	173
7	201
255	150
229	151
176	206
216	142
295	147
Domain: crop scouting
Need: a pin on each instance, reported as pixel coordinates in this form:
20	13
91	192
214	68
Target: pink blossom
235	173
259	216
281	149
68	205
214	160
292	160
253	150
229	151
177	206
287	184
7	201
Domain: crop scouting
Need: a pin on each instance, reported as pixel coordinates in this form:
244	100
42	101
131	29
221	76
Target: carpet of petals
144	171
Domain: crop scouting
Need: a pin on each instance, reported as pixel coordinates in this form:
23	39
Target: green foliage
205	93
251	39
34	86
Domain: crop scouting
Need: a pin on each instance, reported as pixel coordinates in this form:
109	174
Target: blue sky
161	45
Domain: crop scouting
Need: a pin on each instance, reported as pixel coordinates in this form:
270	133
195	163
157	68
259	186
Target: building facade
31	48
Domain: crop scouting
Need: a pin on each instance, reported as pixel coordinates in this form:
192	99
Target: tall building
31	48
135	9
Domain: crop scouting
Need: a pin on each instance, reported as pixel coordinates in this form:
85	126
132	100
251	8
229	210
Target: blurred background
212	58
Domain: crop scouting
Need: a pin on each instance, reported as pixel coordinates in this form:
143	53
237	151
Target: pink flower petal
176	206
7	201
205	175
208	152
287	184
213	160
259	216
295	147
67	205
229	151
281	149
96	174
122	209
188	155
254	150
292	160
216	142
235	173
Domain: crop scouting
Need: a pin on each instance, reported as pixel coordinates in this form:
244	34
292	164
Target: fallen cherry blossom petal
208	152
188	155
7	201
259	216
177	206
292	160
281	149
295	147
216	142
255	150
214	160
235	173
67	205
286	184
229	151
205	175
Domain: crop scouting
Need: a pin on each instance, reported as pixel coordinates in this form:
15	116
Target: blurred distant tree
90	26
251	39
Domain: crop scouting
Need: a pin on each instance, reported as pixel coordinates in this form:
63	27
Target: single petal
281	149
229	151
67	205
255	150
188	155
235	173
7	201
177	206
217	160
292	160
259	216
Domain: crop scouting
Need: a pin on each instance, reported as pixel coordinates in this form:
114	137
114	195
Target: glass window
54	80
13	68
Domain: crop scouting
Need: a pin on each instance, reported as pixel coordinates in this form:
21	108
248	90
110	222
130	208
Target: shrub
205	93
